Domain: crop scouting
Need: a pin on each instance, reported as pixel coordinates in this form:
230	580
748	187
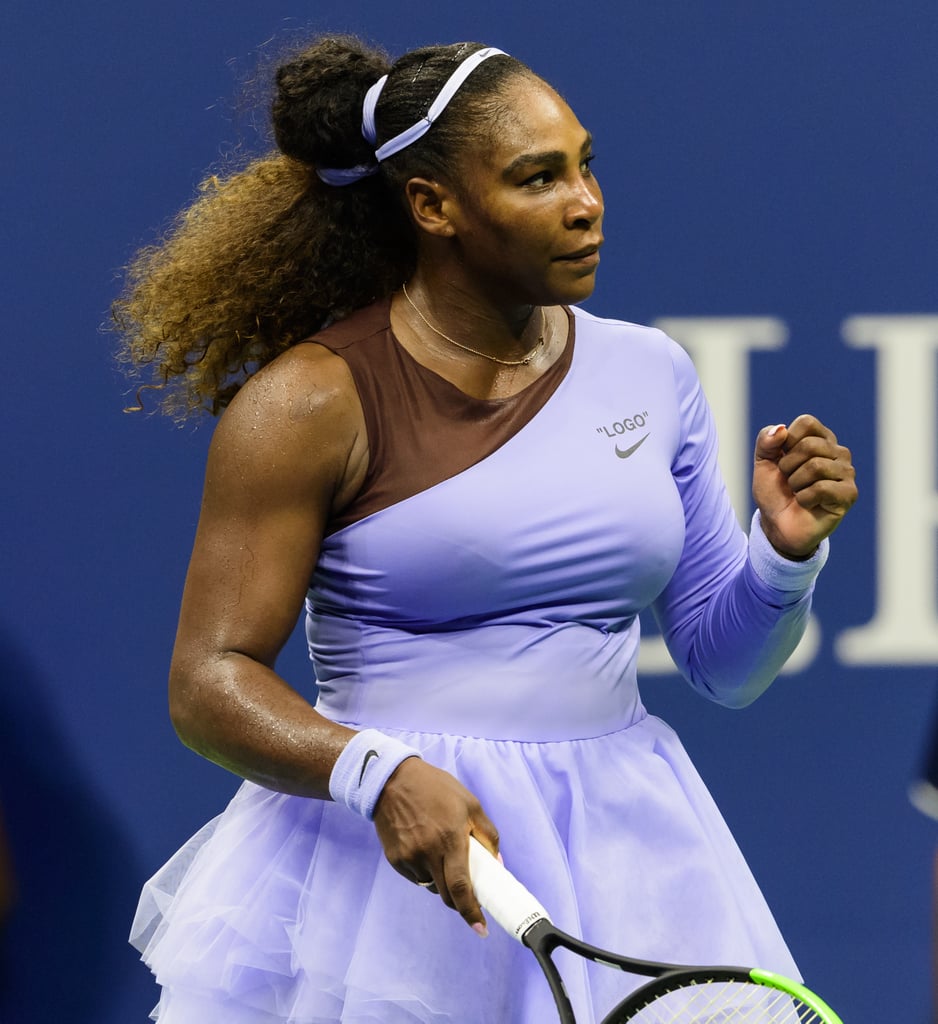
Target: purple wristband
366	764
778	571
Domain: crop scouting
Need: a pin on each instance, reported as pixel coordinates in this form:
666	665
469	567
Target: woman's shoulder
637	349
294	431
600	328
312	377
304	384
639	338
300	410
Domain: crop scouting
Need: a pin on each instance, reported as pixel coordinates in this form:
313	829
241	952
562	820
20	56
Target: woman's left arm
736	607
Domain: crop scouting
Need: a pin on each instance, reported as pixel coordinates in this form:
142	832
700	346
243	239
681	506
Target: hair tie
349	175
340	176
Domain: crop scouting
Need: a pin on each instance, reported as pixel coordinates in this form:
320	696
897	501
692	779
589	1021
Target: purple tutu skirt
283	910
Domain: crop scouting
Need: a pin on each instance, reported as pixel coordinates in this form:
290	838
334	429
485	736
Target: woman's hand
424	818
803	484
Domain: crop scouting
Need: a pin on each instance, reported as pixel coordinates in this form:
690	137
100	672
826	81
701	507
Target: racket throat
541	938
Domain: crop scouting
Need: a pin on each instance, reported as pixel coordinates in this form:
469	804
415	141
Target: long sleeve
735	609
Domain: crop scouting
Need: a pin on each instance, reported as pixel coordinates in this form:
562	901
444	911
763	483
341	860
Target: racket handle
501	894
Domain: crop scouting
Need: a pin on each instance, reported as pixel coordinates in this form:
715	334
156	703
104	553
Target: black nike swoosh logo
631	451
368	757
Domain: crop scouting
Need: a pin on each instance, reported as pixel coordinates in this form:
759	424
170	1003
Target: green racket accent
792	988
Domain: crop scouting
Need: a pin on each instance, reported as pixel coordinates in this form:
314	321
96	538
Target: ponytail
268	255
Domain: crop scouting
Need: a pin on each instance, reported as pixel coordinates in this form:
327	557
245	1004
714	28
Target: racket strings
716	1002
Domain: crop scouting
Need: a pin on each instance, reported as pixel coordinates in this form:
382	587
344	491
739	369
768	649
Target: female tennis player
475	486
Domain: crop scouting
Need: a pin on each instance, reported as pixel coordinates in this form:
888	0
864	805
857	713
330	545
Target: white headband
348	175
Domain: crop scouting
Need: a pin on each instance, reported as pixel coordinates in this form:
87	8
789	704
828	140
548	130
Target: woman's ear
431	206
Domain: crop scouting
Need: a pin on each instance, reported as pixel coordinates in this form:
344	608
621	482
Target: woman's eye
541	178
585	165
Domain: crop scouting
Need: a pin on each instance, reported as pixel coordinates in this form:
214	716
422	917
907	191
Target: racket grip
501	894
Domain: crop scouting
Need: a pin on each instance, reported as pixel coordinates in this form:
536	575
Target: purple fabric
491	623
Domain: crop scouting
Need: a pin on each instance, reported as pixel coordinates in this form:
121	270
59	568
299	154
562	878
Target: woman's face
527	211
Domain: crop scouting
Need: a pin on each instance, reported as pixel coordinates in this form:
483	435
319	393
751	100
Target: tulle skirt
283	910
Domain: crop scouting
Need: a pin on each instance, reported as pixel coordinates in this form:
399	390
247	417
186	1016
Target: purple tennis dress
490	619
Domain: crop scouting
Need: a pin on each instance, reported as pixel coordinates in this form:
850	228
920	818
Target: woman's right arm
289	452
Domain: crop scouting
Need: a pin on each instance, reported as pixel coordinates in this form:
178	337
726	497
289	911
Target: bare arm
289	452
286	452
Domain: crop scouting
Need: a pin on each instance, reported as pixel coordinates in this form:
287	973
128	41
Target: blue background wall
764	159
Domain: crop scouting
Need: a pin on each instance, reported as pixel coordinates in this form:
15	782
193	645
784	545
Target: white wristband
366	764
778	571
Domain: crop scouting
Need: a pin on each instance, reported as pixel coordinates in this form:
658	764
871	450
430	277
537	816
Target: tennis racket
677	995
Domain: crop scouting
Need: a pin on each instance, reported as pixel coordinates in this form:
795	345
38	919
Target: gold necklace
504	362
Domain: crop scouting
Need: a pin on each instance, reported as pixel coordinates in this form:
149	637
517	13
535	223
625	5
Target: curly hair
268	255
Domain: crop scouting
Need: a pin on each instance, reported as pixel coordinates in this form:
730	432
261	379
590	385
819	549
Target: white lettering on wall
904	627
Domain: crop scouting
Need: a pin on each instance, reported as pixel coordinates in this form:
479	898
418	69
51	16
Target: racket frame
518	912
543	937
684	978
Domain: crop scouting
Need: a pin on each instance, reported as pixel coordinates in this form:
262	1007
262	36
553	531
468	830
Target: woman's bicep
283	454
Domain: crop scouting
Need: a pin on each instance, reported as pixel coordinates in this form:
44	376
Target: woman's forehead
535	119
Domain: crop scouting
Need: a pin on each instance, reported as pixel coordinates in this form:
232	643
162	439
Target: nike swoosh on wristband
634	448
368	757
